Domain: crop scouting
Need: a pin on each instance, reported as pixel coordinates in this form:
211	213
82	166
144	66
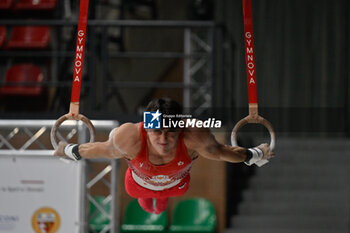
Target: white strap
68	151
261	162
257	155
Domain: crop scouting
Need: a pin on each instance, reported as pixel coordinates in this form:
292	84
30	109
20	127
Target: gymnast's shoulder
127	132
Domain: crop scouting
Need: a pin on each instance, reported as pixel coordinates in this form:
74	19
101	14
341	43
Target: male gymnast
160	160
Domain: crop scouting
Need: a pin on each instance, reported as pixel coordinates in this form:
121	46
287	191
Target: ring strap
250	57
77	76
79	57
253	116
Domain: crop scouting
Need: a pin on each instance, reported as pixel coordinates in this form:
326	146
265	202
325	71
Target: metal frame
111	169
198	71
34	130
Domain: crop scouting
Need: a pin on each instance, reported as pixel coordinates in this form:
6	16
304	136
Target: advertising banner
40	195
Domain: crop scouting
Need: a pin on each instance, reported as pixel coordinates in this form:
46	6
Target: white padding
68	151
261	162
257	155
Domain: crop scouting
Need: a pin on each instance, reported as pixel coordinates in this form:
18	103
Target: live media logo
151	120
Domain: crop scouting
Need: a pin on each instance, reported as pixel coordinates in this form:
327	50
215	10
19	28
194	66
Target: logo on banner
151	120
8	222
46	220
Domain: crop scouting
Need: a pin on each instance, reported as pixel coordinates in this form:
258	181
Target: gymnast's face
163	141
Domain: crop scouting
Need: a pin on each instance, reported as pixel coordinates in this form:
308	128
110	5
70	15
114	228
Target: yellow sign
46	220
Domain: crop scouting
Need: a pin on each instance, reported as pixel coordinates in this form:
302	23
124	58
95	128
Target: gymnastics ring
68	117
253	116
254	120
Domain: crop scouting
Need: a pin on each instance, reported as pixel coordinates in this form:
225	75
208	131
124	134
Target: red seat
2	35
5	4
35	5
23	74
29	37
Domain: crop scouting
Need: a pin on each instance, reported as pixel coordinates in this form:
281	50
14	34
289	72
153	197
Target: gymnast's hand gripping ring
85	120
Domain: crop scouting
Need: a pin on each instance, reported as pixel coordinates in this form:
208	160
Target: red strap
249	51
79	52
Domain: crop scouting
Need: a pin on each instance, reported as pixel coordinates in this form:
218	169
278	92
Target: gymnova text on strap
79	56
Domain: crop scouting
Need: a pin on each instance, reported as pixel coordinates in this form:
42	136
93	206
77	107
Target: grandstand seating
6	4
35	5
138	220
193	215
29	37
3	35
24	79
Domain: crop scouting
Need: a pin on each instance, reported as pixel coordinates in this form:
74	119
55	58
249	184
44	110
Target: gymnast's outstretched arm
204	143
123	142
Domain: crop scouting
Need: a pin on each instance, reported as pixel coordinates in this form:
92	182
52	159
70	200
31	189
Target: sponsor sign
40	195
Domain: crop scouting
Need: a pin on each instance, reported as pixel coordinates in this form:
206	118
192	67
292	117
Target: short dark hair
165	106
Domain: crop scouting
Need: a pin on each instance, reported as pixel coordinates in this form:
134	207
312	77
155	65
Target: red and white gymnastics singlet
160	177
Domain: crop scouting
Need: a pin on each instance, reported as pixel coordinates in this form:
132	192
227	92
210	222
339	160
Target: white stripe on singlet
146	185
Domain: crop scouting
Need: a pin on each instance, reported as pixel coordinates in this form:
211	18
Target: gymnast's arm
204	143
122	142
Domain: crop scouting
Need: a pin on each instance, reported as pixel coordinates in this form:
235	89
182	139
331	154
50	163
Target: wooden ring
53	134
255	120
